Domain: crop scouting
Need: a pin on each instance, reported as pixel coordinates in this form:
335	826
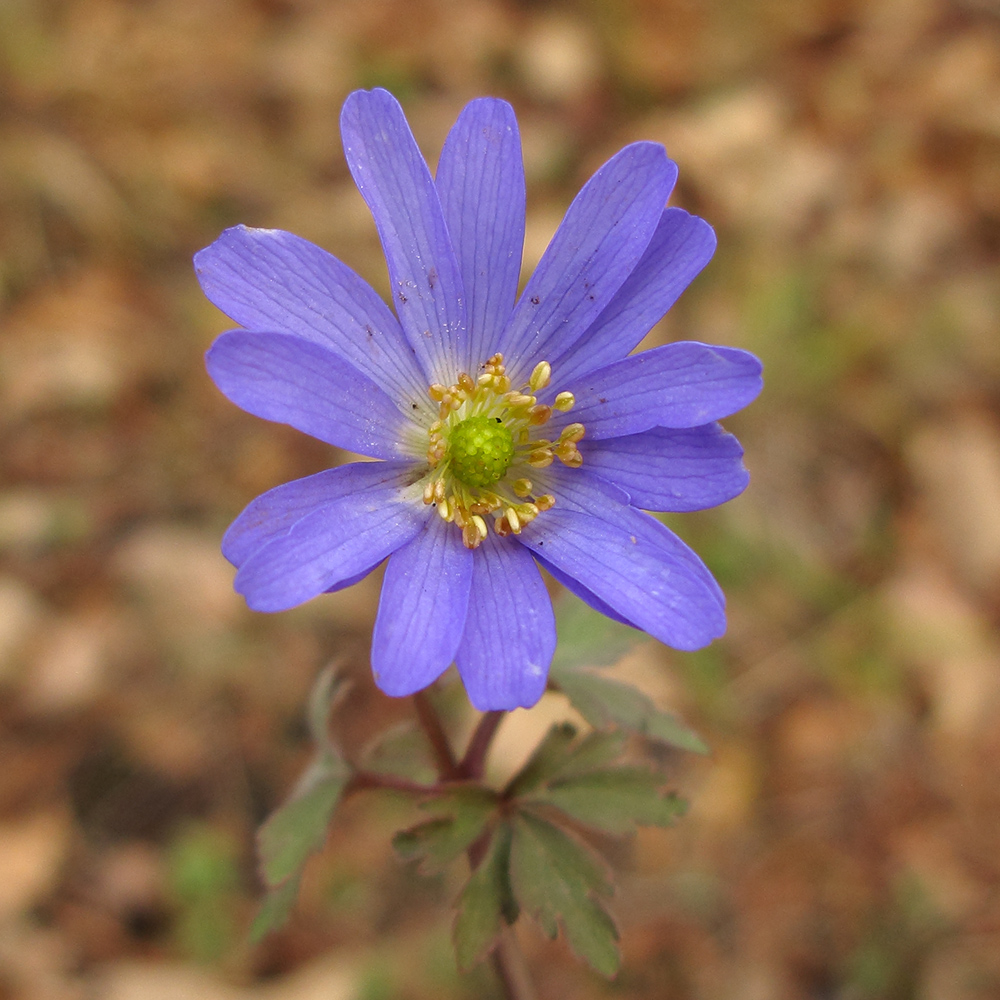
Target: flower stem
365	780
472	764
508	961
511	968
431	722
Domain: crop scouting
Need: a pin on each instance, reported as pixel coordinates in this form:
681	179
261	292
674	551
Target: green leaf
595	750
275	909
615	800
330	687
587	638
560	755
604	702
438	842
401	751
299	827
485	902
548	757
666	728
556	879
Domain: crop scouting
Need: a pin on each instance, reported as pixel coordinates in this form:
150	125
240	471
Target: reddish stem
511	968
472	764
507	960
431	722
364	780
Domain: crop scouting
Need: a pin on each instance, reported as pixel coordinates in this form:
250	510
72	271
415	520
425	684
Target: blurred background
843	837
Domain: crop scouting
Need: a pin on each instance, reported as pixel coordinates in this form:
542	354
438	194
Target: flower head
512	432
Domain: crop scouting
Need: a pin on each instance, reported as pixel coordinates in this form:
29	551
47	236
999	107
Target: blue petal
394	180
510	632
585	491
603	236
266	279
684	384
662	595
585	595
421	613
671	469
293	381
681	246
480	178
334	544
273	513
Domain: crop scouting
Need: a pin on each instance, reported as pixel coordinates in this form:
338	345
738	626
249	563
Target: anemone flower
509	432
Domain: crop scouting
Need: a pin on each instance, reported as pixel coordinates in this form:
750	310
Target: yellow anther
471	538
486	395
569	455
540	459
527	512
518	399
541	376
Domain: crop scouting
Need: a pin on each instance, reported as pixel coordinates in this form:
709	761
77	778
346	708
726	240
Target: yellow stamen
541	376
519	399
474	401
471	538
540	459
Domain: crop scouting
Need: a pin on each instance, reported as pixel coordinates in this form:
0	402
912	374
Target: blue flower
512	432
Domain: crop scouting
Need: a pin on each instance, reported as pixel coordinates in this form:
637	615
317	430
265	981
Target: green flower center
484	449
481	450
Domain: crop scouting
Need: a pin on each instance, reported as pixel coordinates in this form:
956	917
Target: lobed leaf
587	638
439	841
401	751
330	688
275	909
561	755
485	902
556	879
604	702
596	750
548	757
615	800
299	827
